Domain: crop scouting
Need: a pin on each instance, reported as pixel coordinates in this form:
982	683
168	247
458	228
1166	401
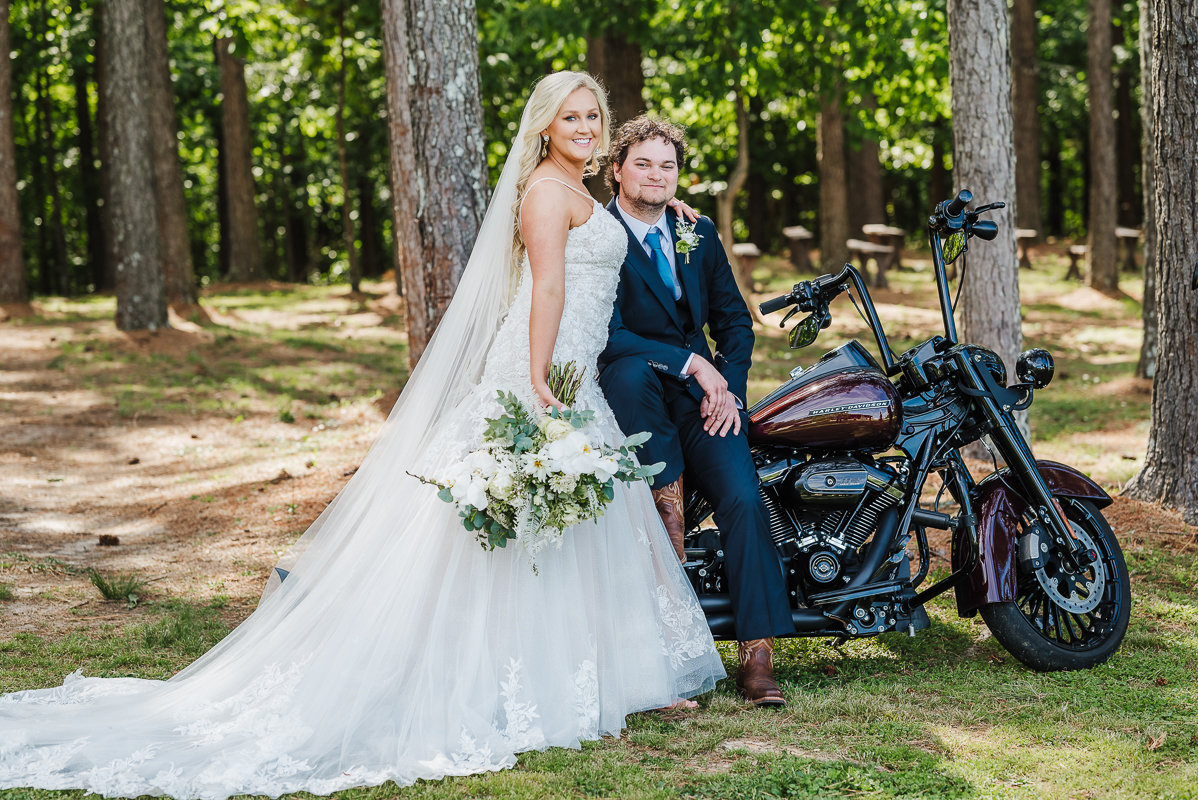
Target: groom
659	376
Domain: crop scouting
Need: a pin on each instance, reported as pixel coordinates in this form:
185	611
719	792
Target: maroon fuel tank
842	402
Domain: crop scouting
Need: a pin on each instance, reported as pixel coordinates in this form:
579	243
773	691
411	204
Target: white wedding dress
398	649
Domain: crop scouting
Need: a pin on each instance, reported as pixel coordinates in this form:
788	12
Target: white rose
555	429
500	485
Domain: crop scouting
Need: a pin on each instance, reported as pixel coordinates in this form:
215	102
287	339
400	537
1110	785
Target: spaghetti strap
528	188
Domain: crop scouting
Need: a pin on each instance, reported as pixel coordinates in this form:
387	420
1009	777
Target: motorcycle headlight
1036	367
989	360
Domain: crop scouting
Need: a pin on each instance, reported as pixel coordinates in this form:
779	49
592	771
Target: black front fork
1015	451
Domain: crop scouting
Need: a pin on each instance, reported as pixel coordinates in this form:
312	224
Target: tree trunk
373	252
867	204
347	219
438	164
939	186
725	201
1125	145
245	249
1025	101
105	280
97	247
833	183
616	61
177	268
295	207
1102	262
1146	366
12	261
864	166
141	300
984	163
1171	465
1054	219
57	266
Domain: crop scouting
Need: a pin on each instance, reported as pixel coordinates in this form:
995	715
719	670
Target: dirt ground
201	505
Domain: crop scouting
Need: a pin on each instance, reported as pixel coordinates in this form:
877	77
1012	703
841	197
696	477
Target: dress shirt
640	230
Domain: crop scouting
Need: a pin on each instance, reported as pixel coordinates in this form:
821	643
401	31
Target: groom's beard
641	207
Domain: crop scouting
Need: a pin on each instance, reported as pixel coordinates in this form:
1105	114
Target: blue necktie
653	239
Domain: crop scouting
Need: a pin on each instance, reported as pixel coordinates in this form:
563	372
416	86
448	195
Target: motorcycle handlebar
770	306
954	207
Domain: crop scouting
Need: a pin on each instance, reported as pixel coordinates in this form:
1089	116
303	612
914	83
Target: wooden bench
889	235
800	247
1076	252
1024	239
747	254
1130	237
861	252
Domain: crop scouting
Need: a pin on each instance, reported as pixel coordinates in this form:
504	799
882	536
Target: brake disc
1077	592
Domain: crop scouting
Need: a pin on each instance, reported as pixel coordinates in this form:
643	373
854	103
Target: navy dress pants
722	469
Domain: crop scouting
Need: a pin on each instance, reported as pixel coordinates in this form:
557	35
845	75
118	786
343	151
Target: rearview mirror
805	332
954	246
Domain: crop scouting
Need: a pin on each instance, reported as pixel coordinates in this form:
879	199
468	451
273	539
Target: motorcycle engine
822	511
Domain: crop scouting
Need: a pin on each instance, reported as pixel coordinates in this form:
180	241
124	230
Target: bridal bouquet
538	471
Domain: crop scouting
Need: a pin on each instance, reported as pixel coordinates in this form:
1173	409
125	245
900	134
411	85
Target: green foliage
118	588
6	592
888	58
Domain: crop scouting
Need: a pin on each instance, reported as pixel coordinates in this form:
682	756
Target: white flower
606	467
687	240
536	465
574	454
501	483
476	493
554	428
481	462
563	482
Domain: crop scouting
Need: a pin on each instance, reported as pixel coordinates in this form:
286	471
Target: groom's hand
718	407
721	420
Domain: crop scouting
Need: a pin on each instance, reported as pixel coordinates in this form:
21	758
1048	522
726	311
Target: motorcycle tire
1046	636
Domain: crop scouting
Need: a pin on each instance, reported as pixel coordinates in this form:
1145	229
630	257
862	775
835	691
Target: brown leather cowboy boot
755	679
668	500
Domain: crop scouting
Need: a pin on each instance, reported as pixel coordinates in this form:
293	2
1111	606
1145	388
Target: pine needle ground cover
205	451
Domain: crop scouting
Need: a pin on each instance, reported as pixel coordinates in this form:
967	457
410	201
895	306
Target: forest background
312	74
284	198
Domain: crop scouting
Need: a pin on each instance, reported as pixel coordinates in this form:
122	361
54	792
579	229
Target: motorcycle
844	451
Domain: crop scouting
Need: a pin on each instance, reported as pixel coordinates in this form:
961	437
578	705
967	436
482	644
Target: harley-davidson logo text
851	407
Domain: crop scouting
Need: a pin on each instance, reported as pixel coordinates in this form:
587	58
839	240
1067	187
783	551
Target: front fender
999	508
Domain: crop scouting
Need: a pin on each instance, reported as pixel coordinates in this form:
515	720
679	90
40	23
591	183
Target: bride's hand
683	209
546	398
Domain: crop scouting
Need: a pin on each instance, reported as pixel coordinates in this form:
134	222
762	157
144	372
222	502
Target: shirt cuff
686	366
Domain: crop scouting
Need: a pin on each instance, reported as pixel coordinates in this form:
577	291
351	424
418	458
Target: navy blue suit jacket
646	324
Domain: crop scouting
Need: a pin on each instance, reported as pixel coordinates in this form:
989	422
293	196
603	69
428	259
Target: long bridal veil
447	372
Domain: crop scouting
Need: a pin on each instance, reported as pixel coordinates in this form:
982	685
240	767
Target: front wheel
1066	618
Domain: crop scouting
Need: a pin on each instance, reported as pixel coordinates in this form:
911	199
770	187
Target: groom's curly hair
635	131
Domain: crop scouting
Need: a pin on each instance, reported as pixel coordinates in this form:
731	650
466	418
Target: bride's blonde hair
546	100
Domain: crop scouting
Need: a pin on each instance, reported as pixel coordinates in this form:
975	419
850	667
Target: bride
396	648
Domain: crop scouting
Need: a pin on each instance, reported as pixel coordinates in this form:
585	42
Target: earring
544	145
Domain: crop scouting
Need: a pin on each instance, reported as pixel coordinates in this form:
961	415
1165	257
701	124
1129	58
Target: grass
118	588
947	714
6	592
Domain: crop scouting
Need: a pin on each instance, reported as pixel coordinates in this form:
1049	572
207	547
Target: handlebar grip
770	306
958	203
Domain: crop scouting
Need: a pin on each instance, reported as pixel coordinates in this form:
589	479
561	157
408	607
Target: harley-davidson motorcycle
844	451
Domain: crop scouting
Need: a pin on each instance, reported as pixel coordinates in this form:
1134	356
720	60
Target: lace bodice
594	252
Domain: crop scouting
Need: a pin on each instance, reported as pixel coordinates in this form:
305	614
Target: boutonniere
687	238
